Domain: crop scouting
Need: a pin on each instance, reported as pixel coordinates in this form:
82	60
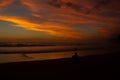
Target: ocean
46	52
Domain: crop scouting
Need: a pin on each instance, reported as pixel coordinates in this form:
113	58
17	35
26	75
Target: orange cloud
52	28
73	19
4	3
34	5
84	6
104	32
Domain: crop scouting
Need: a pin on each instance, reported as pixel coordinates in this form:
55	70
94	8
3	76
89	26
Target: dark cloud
73	6
67	4
115	34
101	3
56	3
98	5
16	9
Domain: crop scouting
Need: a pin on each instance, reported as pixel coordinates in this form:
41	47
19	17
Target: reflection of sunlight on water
5	58
57	55
10	58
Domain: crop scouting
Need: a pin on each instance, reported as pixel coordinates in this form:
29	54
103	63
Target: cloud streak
52	28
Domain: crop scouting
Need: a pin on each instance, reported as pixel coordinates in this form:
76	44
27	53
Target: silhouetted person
75	57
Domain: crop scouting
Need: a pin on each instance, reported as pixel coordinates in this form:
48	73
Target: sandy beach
100	67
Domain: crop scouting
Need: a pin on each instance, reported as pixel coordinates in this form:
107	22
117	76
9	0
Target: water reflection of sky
18	57
53	52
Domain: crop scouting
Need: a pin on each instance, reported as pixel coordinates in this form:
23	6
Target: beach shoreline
105	65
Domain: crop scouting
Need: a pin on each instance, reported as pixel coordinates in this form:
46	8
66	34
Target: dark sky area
59	20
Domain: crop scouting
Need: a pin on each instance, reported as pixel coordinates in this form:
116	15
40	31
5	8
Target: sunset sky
59	20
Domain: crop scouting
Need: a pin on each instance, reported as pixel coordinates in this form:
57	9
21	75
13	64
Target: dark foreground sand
98	67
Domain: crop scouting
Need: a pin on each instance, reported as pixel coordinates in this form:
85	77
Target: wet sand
98	67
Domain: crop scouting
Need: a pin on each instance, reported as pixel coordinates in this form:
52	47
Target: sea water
32	53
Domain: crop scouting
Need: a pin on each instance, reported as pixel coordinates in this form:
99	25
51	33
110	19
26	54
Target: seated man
75	57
